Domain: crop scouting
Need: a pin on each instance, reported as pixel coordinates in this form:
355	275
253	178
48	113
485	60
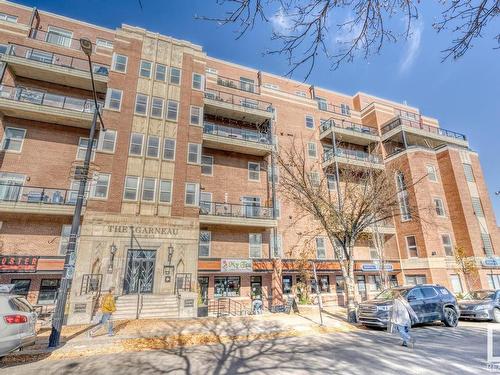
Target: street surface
439	350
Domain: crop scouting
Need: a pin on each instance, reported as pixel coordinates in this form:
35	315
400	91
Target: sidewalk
154	334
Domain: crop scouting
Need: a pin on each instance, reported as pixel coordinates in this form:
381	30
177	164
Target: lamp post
70	258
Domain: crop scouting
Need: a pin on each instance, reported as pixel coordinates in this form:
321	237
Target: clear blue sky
464	95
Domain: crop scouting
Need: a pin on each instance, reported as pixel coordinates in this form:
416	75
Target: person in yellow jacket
108	307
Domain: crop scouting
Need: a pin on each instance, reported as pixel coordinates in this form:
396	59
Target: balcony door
251	206
10	186
206	203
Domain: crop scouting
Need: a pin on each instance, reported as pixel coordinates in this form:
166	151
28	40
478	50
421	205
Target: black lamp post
70	258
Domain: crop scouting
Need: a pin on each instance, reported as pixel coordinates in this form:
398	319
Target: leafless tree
364	198
341	30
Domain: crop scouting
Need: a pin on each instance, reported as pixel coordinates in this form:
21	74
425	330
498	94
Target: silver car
481	305
17	323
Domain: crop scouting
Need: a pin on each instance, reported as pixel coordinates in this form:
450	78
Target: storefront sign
141	230
236	265
372	267
16	263
189	302
491	262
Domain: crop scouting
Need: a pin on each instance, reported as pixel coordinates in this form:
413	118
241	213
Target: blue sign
491	262
372	267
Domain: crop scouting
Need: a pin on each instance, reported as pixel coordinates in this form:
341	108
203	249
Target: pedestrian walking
108	307
401	318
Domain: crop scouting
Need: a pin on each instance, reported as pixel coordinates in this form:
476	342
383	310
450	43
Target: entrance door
252	206
140	271
256	287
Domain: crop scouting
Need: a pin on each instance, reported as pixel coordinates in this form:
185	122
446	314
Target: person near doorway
401	318
108	307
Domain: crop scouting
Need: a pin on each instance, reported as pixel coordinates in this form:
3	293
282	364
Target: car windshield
390	294
480	295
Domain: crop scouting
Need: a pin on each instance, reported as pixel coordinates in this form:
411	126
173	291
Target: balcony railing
417	125
43	98
235	133
353	155
235	210
239	85
55	38
238	100
56	59
37	195
325	125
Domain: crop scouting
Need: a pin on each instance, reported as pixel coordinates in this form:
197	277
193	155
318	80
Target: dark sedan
481	305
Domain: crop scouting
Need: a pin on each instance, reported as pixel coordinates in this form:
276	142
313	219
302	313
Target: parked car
17	323
481	305
429	301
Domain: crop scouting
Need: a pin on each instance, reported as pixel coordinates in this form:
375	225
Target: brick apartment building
184	181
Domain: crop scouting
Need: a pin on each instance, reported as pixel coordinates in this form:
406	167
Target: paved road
439	350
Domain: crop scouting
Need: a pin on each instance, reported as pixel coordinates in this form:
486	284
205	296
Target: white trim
135	104
434	199
136	188
130	144
209	244
113	62
94	183
150	68
252	171
108	99
202	83
198	154
211	165
158	148
408	248
250	245
163	149
313	122
154	190
196	194
171	191
176	112
101	140
4	138
200	115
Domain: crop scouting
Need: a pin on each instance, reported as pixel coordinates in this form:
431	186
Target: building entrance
139	274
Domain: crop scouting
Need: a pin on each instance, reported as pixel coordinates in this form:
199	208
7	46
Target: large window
175	76
141	104
253	171
148	189
82	149
13	139
168	149
119	63
8	17
314	179
21	286
345	109
493	281
374	283
255	245
131	188
145	69
195	115
107	140
194	153
415	279
447	245
157	107
100	186
161	72
197	81
48	291
191	197
113	99
204	244
411	246
207	165
172	109
136	141
56	35
153	149
227	286
320	248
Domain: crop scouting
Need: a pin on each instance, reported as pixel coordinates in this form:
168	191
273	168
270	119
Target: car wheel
496	315
450	317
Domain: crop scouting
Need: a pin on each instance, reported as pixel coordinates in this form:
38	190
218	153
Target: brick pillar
276	281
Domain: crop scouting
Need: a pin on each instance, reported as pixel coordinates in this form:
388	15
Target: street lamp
70	258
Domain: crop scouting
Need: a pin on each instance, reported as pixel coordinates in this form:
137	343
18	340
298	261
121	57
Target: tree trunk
347	267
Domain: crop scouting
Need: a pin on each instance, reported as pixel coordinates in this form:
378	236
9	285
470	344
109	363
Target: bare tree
341	30
364	197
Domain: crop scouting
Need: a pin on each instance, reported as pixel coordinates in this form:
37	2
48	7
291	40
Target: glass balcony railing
56	59
247	86
417	125
325	125
37	195
43	98
235	133
353	155
239	100
235	210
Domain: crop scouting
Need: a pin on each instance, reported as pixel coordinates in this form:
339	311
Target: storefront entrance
256	287
139	274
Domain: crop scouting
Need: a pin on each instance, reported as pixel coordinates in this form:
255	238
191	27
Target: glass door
256	287
140	271
251	206
206	205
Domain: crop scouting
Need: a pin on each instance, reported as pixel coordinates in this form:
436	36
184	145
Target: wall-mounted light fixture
112	249
170	253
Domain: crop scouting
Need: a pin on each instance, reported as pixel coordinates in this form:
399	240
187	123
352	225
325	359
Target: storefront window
287	284
494	281
21	286
48	291
227	286
339	284
374	283
360	280
393	281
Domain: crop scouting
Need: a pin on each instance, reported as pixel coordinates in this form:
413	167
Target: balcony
223	104
349	132
250	142
55	68
238	85
236	214
56	38
37	200
418	133
38	105
352	157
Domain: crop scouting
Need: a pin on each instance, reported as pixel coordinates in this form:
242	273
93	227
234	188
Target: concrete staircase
151	306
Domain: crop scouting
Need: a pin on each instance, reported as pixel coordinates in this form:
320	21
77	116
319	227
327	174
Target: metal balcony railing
238	84
238	100
56	38
235	210
56	59
235	133
354	155
348	125
417	125
43	98
37	195
332	108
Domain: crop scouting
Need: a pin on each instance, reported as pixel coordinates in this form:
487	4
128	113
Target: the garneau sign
141	230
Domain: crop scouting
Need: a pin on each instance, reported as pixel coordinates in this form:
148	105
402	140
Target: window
100	186
227	286
320	248
141	104
148	189
82	149
477	207
324	283
431	173
438	203
287	284
59	36
21	286
172	109
339	284
145	69
207	165
374	252
415	280
204	244
322	104
107	140
8	18
136	140
206	206
469	174
210	70
276	251
157	107
194	153
113	99
165	191
314	179
195	115
301	93
271	86
160	72
247	84
253	171
411	245
447	245
487	246
404	200
13	139
456	284
191	197
255	244
374	283
309	122
131	188
331	180
175	76
168	149
120	63
153	149
197	81
345	109
311	150
4	48
493	281
104	43
48	291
